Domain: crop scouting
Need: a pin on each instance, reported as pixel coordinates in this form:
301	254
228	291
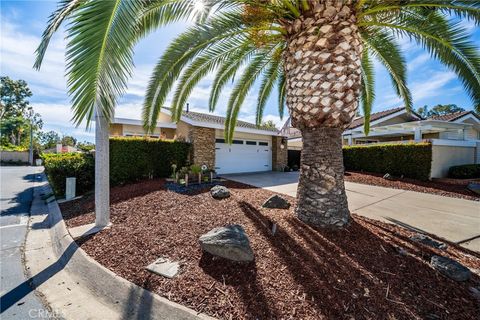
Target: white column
102	171
350	140
418	134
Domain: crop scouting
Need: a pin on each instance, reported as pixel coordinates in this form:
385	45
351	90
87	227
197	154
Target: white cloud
17	59
433	86
418	61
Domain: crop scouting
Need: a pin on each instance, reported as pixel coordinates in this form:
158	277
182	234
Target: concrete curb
120	298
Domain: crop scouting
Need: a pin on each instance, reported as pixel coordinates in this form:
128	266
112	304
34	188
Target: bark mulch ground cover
433	187
298	273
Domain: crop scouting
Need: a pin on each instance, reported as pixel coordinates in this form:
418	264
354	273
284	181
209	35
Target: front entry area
242	156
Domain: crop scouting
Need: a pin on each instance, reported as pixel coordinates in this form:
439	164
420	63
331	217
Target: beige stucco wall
183	131
443	157
116	129
21	156
137	130
245	136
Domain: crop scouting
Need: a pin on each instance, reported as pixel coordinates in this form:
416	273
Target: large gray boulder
229	242
220	192
450	268
421	238
276	202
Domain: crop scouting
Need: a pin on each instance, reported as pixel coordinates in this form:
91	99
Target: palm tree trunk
322	67
321	198
102	172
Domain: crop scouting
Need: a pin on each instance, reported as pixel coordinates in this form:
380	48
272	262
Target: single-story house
254	148
455	137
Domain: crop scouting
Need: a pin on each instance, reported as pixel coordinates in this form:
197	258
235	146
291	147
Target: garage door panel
238	158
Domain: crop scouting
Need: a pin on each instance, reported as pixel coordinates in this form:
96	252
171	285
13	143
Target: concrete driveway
456	220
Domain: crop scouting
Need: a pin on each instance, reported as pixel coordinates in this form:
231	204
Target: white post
349	139
418	134
70	188
102	171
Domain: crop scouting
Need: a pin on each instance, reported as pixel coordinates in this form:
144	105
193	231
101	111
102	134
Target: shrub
134	159
131	159
466	171
58	167
413	160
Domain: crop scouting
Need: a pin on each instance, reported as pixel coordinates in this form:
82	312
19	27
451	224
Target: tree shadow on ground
354	272
243	278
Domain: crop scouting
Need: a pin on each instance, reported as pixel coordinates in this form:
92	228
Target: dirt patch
433	187
299	273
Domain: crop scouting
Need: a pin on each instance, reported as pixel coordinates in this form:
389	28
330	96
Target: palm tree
318	53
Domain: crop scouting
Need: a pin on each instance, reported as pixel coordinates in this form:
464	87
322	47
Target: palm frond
282	83
202	65
270	77
383	46
100	55
242	88
64	10
368	89
227	72
469	10
177	56
446	41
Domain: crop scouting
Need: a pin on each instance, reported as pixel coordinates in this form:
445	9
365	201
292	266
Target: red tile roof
358	122
453	116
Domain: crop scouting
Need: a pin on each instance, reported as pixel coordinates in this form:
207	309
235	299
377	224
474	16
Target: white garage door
242	156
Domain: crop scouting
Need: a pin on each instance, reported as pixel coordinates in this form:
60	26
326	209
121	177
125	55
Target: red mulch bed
433	187
300	273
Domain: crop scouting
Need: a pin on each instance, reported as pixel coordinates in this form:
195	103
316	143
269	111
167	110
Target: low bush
466	171
131	159
413	160
58	167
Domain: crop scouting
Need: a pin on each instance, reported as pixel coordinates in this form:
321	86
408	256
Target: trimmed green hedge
412	160
466	171
131	159
58	167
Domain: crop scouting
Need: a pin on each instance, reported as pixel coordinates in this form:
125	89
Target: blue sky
22	23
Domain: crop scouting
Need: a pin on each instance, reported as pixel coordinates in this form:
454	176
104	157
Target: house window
237	142
263	143
251	143
220	140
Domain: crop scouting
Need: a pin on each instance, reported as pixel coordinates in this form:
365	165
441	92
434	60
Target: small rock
220	192
450	268
401	251
164	267
475	292
229	242
276	202
428	241
474	187
388	176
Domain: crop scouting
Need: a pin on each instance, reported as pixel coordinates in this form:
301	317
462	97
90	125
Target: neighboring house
59	148
455	137
253	149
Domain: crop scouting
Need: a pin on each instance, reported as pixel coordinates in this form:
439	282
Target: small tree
16	113
439	110
269	124
69	141
48	139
